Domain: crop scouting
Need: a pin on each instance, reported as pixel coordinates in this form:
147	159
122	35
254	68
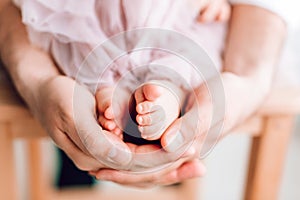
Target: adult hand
67	111
69	120
151	165
246	70
180	170
57	100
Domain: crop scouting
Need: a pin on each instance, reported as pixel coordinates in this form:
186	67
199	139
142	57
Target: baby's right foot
158	105
111	117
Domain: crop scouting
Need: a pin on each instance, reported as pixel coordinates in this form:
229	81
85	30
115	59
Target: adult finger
133	178
181	133
194	123
150	158
102	145
178	173
81	160
187	170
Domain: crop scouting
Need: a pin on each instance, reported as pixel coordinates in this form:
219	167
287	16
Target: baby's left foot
158	105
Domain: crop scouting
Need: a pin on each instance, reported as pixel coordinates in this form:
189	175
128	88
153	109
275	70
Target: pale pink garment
70	29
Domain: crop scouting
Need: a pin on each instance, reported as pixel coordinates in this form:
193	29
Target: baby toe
118	132
152	91
106	123
110	125
144	120
152	132
109	113
139	96
144	107
151	118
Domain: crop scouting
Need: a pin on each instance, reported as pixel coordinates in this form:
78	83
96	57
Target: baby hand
214	10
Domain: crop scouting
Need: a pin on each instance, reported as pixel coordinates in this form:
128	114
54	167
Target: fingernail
175	143
92	173
103	177
110	126
119	156
112	153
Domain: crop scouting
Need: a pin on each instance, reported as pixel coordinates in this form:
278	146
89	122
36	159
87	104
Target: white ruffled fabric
70	30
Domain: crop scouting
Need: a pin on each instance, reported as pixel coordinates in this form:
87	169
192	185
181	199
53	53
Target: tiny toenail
141	108
110	126
140	119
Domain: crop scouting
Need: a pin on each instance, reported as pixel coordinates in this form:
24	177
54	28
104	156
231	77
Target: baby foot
158	105
111	118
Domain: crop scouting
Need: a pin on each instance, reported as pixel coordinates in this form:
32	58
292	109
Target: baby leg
158	104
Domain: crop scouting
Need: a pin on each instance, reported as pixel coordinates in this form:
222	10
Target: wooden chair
270	129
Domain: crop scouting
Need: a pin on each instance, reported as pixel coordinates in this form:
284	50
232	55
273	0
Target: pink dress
70	29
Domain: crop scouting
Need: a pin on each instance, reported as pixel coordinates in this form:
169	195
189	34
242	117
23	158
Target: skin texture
37	80
245	69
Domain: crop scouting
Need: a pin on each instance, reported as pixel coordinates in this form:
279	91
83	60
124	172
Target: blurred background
227	164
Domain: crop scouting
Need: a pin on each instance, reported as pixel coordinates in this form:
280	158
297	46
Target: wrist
27	65
30	71
244	95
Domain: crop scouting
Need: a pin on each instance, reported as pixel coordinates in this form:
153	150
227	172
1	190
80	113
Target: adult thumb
104	146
